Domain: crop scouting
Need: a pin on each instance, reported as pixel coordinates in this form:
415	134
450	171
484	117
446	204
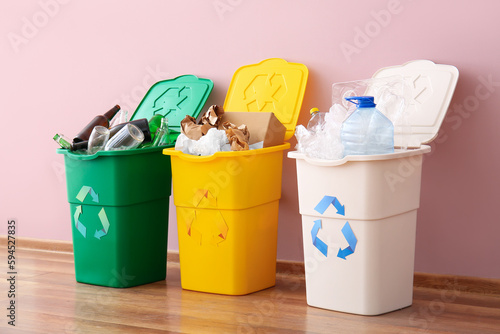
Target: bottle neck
111	112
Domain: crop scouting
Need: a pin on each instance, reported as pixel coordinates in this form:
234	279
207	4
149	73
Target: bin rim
360	158
224	154
145	150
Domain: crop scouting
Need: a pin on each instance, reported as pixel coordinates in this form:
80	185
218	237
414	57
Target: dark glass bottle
82	145
102	120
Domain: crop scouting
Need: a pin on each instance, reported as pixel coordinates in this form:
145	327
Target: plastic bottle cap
314	110
363	101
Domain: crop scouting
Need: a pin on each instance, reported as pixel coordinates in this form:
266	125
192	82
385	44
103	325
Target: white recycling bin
359	213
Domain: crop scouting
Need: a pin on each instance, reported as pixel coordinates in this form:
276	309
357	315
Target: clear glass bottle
129	137
141	123
98	139
120	117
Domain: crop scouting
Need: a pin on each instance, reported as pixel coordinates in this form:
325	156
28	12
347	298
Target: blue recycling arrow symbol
321	207
326	201
317	242
351	240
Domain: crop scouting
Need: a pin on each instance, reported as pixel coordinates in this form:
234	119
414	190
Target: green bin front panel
119	203
134	250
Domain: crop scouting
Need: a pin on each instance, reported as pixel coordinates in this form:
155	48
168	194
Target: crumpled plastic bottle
321	139
317	121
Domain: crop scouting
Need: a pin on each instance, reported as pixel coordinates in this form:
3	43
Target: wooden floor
48	300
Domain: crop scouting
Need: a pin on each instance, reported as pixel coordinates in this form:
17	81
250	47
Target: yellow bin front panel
227	219
230	252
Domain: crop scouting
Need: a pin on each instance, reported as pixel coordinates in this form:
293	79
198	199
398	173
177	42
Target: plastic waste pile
321	138
367	117
336	134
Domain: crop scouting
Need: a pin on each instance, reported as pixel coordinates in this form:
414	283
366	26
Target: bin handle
102	153
71	155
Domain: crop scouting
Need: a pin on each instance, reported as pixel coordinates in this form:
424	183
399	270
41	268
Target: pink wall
65	61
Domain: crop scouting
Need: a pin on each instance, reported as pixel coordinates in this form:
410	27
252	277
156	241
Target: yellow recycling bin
227	203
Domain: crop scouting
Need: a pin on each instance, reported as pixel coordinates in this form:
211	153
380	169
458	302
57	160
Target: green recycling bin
119	200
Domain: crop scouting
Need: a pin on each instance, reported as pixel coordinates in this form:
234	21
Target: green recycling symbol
86	190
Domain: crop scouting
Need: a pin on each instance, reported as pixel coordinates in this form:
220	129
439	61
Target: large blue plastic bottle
367	131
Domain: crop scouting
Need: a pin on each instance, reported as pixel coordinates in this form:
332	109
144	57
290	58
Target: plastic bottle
102	120
162	135
366	131
317	120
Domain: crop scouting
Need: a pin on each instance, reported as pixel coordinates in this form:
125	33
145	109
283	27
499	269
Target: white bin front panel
368	189
375	279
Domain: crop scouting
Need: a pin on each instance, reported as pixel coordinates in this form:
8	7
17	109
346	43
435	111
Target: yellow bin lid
273	85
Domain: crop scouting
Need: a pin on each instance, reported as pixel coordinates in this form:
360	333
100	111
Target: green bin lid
175	98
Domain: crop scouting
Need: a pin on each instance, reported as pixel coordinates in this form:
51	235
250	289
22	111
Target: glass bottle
102	120
98	139
162	135
154	124
141	123
62	141
129	137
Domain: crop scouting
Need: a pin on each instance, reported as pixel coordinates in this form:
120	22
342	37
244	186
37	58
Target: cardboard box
263	126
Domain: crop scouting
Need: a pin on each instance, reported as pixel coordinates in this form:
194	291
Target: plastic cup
129	137
98	139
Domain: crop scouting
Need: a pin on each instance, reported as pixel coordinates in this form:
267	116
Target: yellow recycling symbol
213	233
264	92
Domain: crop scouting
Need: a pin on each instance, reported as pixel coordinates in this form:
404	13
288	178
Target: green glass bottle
62	141
154	124
162	135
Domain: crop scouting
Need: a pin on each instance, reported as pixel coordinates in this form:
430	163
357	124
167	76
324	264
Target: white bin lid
432	89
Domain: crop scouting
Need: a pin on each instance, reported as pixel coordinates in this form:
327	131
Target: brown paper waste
238	136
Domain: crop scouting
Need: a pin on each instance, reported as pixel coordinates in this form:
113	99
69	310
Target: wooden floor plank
49	300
